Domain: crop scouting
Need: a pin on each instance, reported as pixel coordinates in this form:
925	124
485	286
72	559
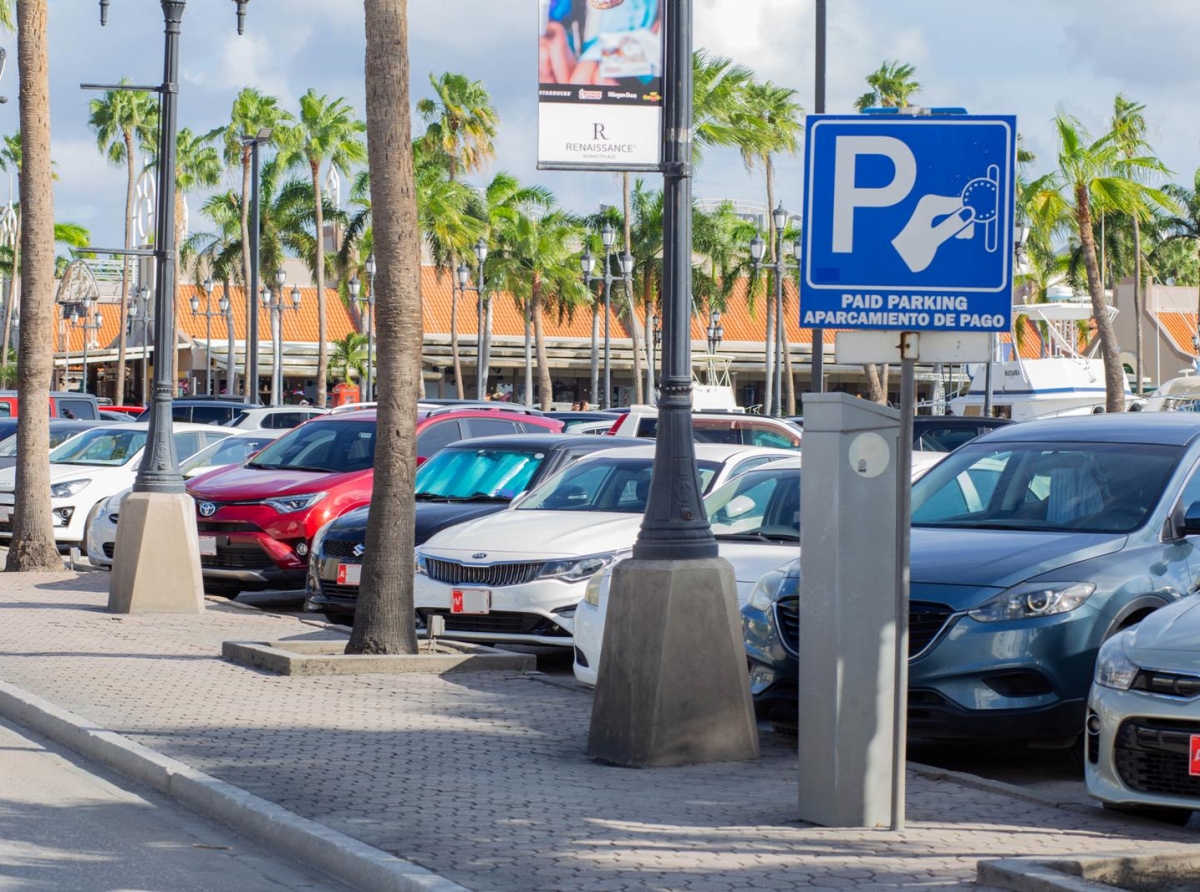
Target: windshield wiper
759	536
478	497
430	497
288	468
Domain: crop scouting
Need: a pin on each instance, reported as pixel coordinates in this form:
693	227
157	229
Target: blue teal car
1031	546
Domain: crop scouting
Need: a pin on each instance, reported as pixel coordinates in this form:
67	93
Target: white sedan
235	449
88	469
517	576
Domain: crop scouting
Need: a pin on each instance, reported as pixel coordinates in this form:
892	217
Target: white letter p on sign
847	196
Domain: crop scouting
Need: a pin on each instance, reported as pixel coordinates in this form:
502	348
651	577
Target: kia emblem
479	555
207	509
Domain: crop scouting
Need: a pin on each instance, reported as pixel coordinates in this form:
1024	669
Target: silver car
1143	724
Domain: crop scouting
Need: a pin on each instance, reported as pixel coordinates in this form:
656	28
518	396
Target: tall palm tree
326	131
7	16
32	546
646	246
251	114
124	122
460	124
383	621
537	262
1184	224
719	91
349	357
1095	175
892	85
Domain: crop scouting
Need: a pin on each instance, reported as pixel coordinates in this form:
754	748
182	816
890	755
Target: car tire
1176	817
339	619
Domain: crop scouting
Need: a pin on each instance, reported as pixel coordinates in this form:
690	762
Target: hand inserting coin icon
939	218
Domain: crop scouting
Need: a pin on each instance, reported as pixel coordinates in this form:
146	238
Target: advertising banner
600	69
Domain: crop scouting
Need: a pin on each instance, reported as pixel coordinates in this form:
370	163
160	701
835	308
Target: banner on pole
600	70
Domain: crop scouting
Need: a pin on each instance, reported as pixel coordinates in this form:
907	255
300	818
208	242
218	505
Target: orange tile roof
298	326
1179	325
69	337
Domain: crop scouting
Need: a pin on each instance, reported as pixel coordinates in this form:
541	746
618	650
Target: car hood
245	484
523	535
1169	638
754	560
431	517
1000	558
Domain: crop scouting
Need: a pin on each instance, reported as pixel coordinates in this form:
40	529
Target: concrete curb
963	779
308	842
1085	873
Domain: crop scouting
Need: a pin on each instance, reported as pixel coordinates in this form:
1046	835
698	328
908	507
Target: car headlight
295	503
68	488
765	590
1030	600
575	569
591	594
1114	669
421	567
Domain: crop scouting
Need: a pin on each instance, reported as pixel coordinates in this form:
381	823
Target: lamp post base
672	688
156	566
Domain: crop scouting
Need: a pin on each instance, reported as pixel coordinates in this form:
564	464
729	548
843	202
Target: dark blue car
1030	546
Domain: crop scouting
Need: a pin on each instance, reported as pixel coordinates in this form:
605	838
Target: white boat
1065	382
1180	394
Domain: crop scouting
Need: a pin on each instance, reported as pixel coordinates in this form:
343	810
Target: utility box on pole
848	608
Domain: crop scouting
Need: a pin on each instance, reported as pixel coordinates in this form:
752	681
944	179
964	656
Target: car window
489	427
437	435
100	446
618	485
1188	497
1099	488
760	436
532	427
284	420
647	427
339	446
5	410
482	474
239	419
749	464
69	408
761	505
946	439
187	443
8	447
724	433
211	414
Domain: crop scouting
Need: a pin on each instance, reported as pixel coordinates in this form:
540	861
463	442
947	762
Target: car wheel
228	590
339	619
1177	817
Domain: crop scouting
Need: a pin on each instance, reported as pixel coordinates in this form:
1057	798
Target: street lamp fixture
254	144
587	263
716	332
80	320
483	314
481	251
775	341
209	314
275	305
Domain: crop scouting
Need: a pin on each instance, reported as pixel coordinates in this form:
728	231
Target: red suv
256	521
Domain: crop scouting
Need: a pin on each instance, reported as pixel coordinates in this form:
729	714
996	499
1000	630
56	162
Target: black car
945	433
463	481
204	411
61	429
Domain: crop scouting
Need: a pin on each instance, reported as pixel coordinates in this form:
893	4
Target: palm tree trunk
230	353
1114	375
529	357
595	350
130	185
32	547
875	392
383	621
322	310
884	374
249	388
789	381
1138	294
454	357
545	385
13	280
648	312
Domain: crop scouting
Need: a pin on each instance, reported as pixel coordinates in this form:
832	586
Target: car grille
498	623
925	622
1152	756
108	549
333	590
6	527
494	575
1169	684
217	526
238	556
336	549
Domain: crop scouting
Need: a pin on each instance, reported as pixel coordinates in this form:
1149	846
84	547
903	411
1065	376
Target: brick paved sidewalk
482	777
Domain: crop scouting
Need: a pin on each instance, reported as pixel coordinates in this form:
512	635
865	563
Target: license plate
208	546
1194	756
5	514
349	574
470	600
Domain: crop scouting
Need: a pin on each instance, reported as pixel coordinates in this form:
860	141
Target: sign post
909	235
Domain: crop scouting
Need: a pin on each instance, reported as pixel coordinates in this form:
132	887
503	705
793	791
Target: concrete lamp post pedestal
160	530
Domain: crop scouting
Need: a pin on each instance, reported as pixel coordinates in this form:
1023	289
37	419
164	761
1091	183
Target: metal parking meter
848	611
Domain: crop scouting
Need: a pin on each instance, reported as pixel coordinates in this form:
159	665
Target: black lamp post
776	342
80	321
656	326
226	306
481	315
608	237
141	307
273	302
255	144
208	315
716	332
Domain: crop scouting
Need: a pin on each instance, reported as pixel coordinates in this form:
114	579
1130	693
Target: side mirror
1191	520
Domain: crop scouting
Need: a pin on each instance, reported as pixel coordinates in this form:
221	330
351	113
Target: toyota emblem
207	509
479	555
359	549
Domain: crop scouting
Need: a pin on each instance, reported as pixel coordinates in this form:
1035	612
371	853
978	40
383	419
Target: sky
1023	57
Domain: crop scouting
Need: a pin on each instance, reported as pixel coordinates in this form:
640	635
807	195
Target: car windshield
100	446
759	506
482	474
8	447
619	485
326	447
230	451
1081	487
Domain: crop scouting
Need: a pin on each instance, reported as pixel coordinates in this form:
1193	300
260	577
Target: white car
756	521
234	449
277	418
86	470
1143	722
517	576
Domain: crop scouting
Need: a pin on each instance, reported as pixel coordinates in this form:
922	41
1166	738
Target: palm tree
326	131
124	121
7	19
349	357
1184	225
460	124
32	546
11	155
383	622
537	262
719	91
646	246
892	85
252	113
1095	175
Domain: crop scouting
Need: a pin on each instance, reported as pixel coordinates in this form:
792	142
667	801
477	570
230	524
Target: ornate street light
483	315
776	341
587	263
208	314
275	305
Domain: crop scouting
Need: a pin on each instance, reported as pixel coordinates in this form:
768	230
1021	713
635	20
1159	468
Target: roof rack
351	407
438	409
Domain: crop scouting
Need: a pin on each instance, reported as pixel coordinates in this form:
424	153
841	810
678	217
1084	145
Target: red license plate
470	600
1194	756
349	574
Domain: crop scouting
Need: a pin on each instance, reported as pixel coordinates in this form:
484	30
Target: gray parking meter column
848	611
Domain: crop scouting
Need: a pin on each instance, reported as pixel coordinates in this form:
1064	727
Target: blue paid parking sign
908	223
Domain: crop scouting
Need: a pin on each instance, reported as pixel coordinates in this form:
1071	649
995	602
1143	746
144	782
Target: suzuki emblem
359	549
207	509
479	555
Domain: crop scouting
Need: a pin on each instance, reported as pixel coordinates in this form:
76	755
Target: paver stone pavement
482	777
